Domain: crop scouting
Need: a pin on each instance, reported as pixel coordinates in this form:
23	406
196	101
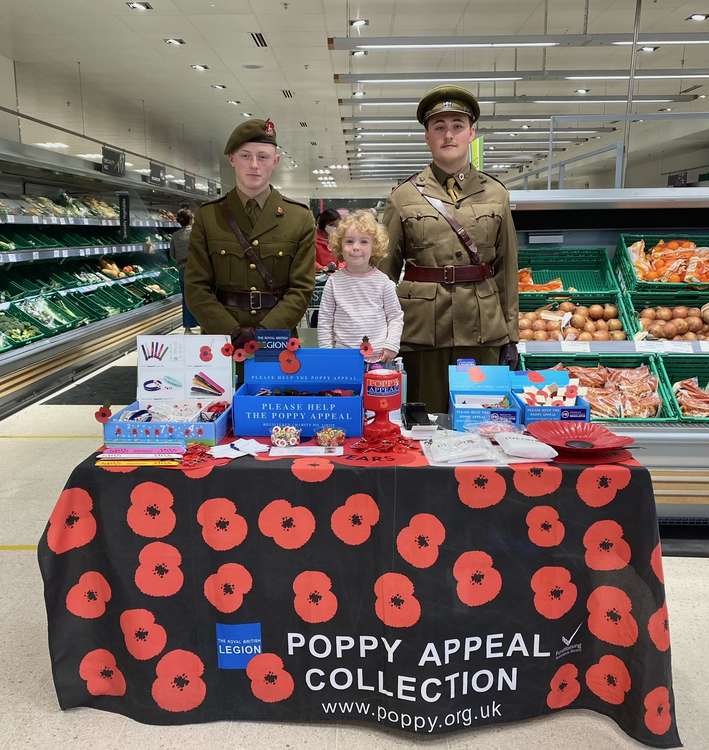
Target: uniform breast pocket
278	258
421	226
225	259
493	325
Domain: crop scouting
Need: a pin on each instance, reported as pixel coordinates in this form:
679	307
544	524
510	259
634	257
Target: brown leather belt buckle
448	275
254	305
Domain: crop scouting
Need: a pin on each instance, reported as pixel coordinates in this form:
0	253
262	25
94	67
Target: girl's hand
387	355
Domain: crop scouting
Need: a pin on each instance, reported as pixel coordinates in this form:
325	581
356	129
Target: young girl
359	300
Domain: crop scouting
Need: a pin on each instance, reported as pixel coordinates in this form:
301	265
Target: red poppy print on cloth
225	589
144	637
609	679
396	604
564	687
598	485
71	524
478	581
150	513
314	601
88	597
658	627
418	542
545	528
179	685
605	547
312	469
480	487
101	674
290	526
222	527
204	469
554	592
159	573
270	682
119	469
656	563
535	480
658	718
610	617
352	522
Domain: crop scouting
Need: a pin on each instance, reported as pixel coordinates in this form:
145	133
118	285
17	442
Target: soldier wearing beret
252	252
459	290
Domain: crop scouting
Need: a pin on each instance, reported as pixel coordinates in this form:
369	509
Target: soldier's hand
240	337
509	356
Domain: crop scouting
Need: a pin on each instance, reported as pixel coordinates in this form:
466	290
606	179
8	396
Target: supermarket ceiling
299	62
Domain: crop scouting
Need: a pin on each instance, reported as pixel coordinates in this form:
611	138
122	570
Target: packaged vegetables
675	262
693	400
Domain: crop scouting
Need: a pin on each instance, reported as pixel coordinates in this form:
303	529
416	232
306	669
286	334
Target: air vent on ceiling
287	93
303	124
259	41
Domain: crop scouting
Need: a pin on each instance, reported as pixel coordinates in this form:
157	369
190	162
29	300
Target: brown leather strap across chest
447	274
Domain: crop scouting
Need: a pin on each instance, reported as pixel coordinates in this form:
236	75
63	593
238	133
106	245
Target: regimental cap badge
269	128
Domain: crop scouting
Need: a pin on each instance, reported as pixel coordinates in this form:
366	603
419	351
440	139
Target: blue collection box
120	433
320	370
520	380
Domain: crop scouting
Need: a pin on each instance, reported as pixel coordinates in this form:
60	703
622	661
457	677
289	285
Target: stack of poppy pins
285	436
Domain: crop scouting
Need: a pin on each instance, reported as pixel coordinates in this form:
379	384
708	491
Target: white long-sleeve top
354	306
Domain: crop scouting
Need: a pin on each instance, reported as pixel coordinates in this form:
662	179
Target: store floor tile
55	422
113	386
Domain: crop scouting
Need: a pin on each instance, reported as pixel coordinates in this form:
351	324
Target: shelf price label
35	255
575	346
704	346
650	346
35	219
679	347
10	219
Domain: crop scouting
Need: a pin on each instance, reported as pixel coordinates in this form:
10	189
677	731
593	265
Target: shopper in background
179	247
450	228
252	252
359	300
327	223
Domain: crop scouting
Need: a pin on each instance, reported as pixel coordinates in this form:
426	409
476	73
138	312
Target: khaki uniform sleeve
506	275
200	295
391	265
301	282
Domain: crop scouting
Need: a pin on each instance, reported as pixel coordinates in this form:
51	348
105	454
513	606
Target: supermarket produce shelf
81	222
613	347
32	371
25	256
625	198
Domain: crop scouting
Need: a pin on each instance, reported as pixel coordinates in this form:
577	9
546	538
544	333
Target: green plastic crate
83	301
54	329
6	343
22	317
668	412
625	272
677	367
530	302
638	301
69	309
586	269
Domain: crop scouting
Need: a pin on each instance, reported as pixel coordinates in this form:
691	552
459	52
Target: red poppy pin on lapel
280	211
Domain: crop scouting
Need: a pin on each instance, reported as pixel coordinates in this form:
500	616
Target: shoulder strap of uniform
404	181
215	200
294	202
492	177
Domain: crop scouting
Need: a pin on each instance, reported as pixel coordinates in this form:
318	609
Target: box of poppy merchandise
314	388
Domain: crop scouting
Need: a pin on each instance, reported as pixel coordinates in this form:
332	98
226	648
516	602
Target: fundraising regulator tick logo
237	644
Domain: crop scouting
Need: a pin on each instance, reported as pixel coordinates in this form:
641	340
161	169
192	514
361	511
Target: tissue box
320	370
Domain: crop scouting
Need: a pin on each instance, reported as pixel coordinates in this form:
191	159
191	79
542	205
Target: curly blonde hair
364	223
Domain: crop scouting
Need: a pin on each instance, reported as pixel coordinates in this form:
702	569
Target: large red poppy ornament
179	685
71	524
289	526
270	682
554	592
159	573
605	547
480	487
150	513
478	582
88	597
101	674
396	604
314	601
418	542
226	588
352	522
609	679
104	414
144	638
564	687
609	616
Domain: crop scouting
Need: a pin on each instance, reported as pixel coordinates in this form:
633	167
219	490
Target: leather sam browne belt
255	300
448	274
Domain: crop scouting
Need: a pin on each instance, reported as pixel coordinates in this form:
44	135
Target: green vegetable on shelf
16	329
8	246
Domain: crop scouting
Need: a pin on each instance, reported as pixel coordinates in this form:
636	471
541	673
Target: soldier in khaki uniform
265	281
457	303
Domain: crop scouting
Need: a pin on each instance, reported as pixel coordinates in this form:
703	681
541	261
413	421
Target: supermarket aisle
40	445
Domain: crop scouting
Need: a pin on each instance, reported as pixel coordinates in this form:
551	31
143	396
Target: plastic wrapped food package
693	401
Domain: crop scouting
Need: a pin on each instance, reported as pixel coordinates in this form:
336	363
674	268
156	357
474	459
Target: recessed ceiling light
139	6
250	66
358	52
697	17
583	91
218	86
358	23
525	127
129	164
175	41
702	96
143	171
649	49
233	101
247	114
201	68
89	156
169	176
51	144
665	109
358	94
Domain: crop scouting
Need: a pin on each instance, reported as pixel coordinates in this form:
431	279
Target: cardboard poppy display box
471	386
320	370
192	370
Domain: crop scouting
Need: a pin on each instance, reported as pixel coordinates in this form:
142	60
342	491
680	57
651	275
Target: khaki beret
251	131
447	98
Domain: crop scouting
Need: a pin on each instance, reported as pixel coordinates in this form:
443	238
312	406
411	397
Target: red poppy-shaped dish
577	437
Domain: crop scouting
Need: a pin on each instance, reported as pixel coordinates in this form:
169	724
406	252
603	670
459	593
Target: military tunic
283	235
461	317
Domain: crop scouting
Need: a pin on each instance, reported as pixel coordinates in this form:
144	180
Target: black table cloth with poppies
423	598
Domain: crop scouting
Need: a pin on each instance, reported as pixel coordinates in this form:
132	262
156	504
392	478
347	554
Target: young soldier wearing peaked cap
252	252
451	230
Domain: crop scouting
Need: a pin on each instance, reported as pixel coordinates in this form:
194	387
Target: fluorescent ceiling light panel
139	6
199	67
90	156
51	144
175	41
445	79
